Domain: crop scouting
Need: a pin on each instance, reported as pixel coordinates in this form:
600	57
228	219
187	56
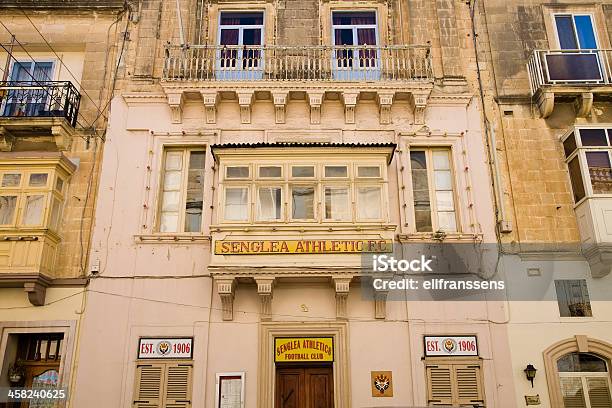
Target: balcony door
578	59
355	37
26	96
239	55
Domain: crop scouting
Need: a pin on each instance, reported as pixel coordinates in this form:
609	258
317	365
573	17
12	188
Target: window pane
441	159
59	184
302	171
593	137
172	180
11	180
445	201
34	208
236	204
168	222
336	171
174	161
565	30
195	192
447	221
586	34
55	214
302	199
337	206
369	203
270	171
237	172
576	179
420	190
244	18
269	203
581	362
7	209
354	18
573	298
38	179
600	172
170	201
569	145
443	180
368	171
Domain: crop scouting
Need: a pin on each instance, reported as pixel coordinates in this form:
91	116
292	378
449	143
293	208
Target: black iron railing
39	99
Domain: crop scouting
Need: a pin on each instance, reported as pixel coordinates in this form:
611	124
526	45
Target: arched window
584	380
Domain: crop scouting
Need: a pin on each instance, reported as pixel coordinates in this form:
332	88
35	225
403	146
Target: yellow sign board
303	349
228	247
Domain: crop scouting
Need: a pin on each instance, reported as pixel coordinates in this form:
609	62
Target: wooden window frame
453	362
165	365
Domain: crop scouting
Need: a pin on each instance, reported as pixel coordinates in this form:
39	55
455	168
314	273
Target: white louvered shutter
439	385
469	388
573	393
149	380
178	385
599	392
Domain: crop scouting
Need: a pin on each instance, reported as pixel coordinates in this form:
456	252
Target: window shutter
599	392
439	385
573	394
469	390
148	386
178	386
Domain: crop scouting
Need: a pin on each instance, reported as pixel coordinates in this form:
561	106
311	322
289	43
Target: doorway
304	386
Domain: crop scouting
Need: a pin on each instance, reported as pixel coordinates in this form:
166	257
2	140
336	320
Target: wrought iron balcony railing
39	99
307	63
569	68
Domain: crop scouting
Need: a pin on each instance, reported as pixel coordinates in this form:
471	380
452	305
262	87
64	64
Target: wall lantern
530	373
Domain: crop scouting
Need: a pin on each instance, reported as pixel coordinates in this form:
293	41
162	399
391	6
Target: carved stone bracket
210	100
350	101
176	102
419	104
63	140
546	103
36	291
315	99
385	100
380	304
583	104
264	290
245	100
225	289
280	102
6	140
599	257
341	285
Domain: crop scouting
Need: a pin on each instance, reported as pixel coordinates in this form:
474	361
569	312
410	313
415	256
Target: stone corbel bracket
385	100
6	140
210	99
280	104
350	102
245	100
583	104
37	290
265	286
419	104
599	257
176	100
546	103
380	304
342	286
225	289
63	137
315	99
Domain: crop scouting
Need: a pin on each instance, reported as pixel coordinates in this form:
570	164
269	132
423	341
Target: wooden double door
304	387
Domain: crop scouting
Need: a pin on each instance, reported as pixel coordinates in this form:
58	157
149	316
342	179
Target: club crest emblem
163	348
450	346
382	383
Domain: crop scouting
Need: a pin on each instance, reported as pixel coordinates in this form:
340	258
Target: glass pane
442	180
195	192
336	171
569	145
172	180
420	190
447	221
55	214
576	179
369	203
354	18
573	394
34	208
269	203
174	160
302	203
11	180
251	36
445	201
337	206
237	172
59	184
593	137
170	201
241	18
600	172
7	209
565	30
236	202
573	67
573	298
441	160
302	171
586	34
270	171
368	171
38	179
169	222
581	362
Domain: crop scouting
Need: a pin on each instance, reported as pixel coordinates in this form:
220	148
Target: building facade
54	83
255	152
548	70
